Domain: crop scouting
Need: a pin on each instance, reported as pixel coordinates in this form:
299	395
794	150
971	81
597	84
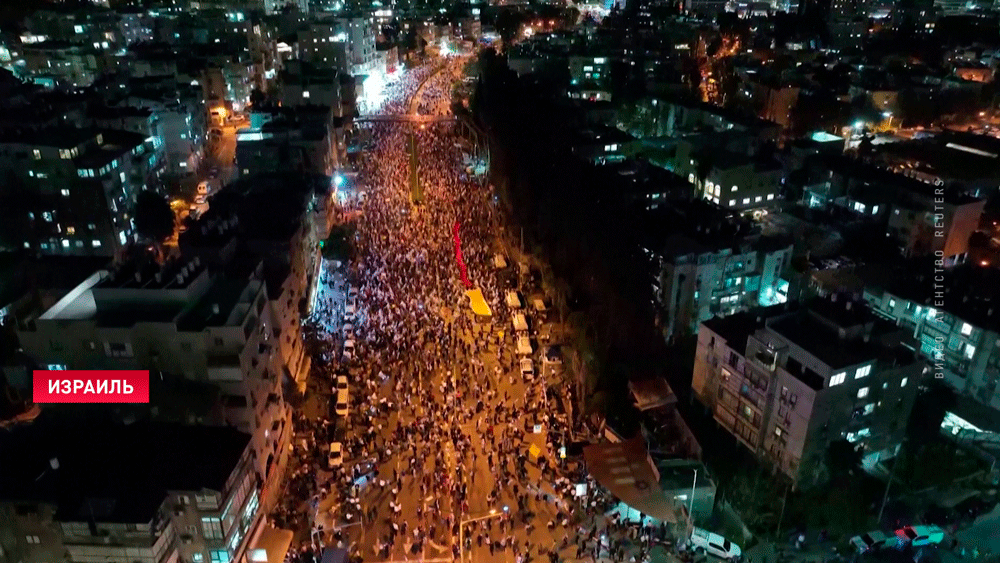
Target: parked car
342	401
553	355
919	535
335	458
872	541
527	369
341	383
348	330
352	306
971	508
704	541
349	349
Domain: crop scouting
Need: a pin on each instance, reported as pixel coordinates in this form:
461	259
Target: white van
342	401
520	322
335	457
524	347
514	300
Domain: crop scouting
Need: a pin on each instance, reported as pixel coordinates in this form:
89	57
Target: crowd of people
436	446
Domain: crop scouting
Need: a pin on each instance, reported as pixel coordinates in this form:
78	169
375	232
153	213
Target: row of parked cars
340	397
915	536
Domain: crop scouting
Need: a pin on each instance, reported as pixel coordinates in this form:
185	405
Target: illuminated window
869	408
746	200
838	379
65	243
862	393
305	93
864	371
95	243
64	192
770	197
734	189
70	230
966	329
904	382
732	202
37	154
758	199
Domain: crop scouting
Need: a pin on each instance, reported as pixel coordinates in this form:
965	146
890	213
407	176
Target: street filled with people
450	445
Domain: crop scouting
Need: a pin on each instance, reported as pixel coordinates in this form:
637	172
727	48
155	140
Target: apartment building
715	267
307	84
180	117
955	322
590	74
71	190
323	43
279	219
180	320
303	139
731	180
924	218
677	117
64	64
147	492
786	381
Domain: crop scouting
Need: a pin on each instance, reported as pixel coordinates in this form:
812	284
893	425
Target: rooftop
736	329
269	206
818	339
111	472
958	156
174	274
63	137
971	292
873	175
215	306
114	144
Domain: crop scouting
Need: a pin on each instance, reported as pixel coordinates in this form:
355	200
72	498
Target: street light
461	528
694	484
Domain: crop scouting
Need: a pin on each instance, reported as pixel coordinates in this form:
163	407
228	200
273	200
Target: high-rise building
787	381
181	321
104	492
955	321
70	191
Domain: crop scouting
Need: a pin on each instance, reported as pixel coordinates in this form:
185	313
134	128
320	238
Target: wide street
450	451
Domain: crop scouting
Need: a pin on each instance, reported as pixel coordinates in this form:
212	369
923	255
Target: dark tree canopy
842	458
929	411
154	219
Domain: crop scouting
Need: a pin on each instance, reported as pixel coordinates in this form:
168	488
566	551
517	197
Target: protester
440	413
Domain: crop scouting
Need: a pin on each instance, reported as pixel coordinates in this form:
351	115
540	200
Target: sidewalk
770	552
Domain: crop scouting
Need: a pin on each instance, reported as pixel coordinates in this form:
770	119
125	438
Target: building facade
787	382
694	287
180	515
961	343
178	319
71	191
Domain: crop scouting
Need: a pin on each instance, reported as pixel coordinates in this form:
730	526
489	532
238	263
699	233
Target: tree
154	220
508	25
842	458
340	244
929	410
257	97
